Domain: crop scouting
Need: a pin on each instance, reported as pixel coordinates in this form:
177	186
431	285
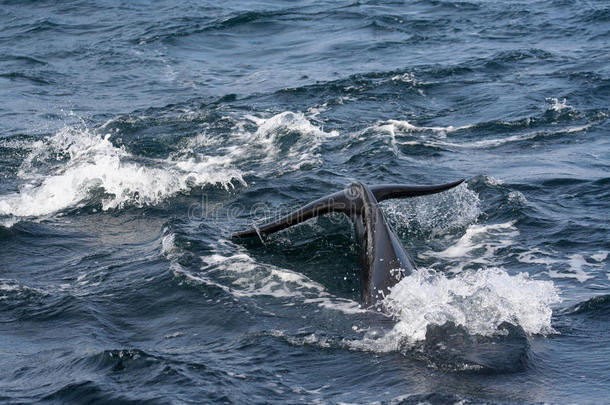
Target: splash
479	301
492	181
434	215
559	106
168	246
406	78
77	167
283	143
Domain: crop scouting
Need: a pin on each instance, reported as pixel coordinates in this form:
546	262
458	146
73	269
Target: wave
241	276
92	392
598	307
22	59
76	167
80	167
393	126
477	321
477	301
488	308
20	302
402	133
287	140
16	295
24	76
91	166
275	144
487	238
193	25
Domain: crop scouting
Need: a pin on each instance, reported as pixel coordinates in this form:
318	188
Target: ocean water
136	136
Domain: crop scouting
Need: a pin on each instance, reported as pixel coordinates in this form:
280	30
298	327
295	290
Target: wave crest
75	166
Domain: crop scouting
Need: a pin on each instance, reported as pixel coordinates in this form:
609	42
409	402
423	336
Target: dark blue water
135	136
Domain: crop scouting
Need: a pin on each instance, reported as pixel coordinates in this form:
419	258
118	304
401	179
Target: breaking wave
79	167
284	142
74	166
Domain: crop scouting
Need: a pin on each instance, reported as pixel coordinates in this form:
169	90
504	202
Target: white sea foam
477	237
272	139
168	246
248	278
282	143
478	245
492	181
490	143
478	300
405	78
12	289
400	126
559	105
10	143
313	112
338	304
572	266
68	169
538	256
65	170
8	222
600	257
241	276
436	136
576	264
9	285
310	339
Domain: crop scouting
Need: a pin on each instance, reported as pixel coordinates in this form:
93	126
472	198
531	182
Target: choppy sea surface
136	136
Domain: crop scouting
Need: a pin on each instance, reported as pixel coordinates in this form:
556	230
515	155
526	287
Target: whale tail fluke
389	191
342	201
336	202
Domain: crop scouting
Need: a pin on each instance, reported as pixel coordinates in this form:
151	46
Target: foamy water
80	163
75	165
477	300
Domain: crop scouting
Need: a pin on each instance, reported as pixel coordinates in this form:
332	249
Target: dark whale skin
383	260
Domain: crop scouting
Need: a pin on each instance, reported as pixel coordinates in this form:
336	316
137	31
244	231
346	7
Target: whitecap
65	170
558	106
